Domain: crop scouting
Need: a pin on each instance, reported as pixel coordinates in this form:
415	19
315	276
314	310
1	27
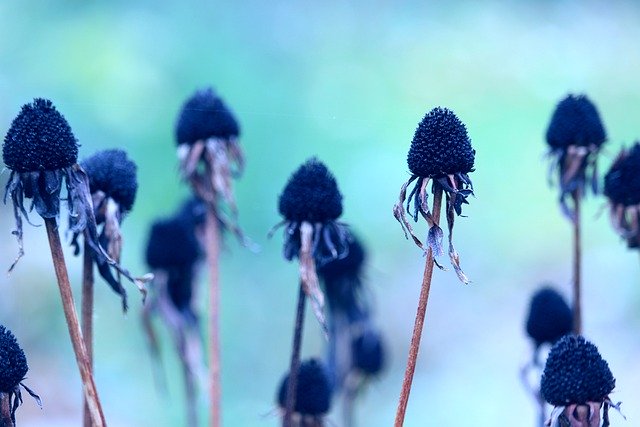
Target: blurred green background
348	82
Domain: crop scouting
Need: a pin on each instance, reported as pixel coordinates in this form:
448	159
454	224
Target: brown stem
419	322
5	410
88	384
294	366
577	261
213	253
87	315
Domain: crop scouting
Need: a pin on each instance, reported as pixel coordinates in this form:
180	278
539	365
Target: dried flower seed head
368	352
575	373
205	116
114	174
576	122
313	395
13	362
550	317
350	265
440	146
172	243
39	139
311	195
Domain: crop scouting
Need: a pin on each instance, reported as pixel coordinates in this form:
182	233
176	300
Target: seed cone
440	146
622	181
113	173
39	139
205	116
575	121
368	352
313	396
550	317
575	373
311	194
13	362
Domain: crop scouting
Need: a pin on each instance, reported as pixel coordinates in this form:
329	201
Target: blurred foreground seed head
313	394
577	381
622	189
368	352
575	136
549	318
440	153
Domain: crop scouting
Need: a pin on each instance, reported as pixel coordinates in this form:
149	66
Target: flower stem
88	384
419	322
292	385
87	315
5	410
213	253
577	261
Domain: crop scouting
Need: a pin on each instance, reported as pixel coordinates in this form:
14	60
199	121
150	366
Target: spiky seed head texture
440	146
550	317
575	373
368	352
348	266
575	121
311	194
172	243
622	181
313	395
13	362
39	139
204	115
113	173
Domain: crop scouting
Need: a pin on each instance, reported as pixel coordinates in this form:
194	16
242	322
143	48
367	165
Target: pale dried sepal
400	214
308	275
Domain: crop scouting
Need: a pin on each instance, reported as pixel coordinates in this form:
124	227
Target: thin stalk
88	384
577	261
5	410
190	391
294	366
213	254
87	315
419	322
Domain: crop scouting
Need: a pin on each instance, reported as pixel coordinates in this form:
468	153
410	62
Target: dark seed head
368	352
172	243
113	173
205	116
575	121
440	146
13	362
550	317
575	373
622	182
311	194
313	395
348	266
39	139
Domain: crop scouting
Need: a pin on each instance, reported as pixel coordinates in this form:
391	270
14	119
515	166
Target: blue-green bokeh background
346	81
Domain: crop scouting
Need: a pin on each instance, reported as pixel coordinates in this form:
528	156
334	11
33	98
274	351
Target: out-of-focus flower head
313	393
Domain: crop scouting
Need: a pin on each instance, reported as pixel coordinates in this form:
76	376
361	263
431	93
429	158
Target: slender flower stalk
575	136
310	204
41	152
440	153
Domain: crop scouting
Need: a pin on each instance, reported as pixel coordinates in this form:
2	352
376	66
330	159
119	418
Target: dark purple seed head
311	194
349	266
440	146
113	173
622	182
172	243
205	116
575	373
13	362
368	352
575	121
313	395
39	139
550	317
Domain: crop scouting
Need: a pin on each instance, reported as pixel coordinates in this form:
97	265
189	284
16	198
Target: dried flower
13	369
550	317
577	381
622	188
313	395
368	352
575	137
440	152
